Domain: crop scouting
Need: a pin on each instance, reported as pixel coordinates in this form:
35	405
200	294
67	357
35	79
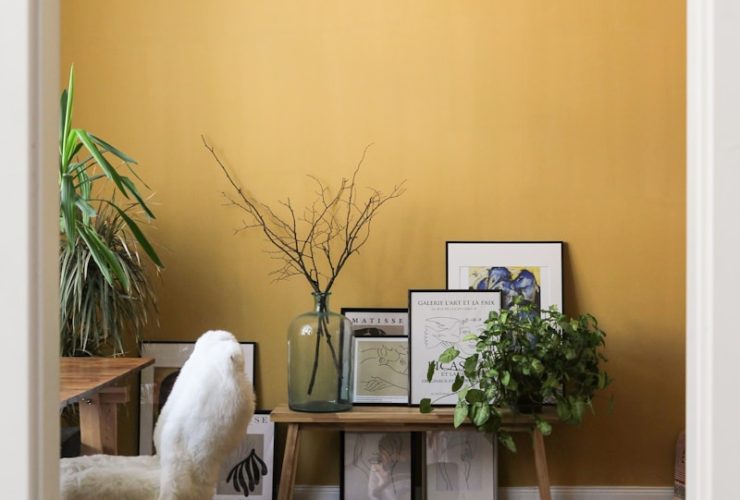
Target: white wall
29	37
713	273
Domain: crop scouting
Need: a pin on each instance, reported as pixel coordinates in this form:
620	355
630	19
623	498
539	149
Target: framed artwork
532	270
158	379
377	322
381	370
376	465
460	465
248	471
440	319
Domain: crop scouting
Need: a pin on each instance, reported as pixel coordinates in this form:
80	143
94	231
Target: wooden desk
393	419
88	381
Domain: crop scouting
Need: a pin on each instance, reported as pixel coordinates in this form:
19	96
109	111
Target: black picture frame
356	314
538	257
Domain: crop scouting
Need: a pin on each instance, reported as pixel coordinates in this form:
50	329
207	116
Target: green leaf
425	405
107	168
100	142
457	384
470	337
67	99
68	200
86	209
505	439
506	379
482	414
448	355
470	365
537	366
139	235
461	413
430	370
544	427
563	410
132	189
475	396
106	260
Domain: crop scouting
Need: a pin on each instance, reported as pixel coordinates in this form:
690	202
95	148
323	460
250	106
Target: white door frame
713	248
29	269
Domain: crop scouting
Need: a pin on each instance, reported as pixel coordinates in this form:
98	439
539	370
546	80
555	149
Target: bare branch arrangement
314	242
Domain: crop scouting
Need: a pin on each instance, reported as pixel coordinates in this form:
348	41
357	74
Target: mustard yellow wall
511	120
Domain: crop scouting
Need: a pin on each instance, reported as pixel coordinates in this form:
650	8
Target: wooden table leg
540	463
290	462
98	426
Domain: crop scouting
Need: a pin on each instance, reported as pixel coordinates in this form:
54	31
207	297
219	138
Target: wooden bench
393	419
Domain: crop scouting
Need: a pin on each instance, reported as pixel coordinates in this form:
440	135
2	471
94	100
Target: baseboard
305	492
590	493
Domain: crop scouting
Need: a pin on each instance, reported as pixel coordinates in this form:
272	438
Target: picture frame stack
481	277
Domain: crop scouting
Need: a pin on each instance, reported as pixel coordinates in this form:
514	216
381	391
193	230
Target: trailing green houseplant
104	291
525	359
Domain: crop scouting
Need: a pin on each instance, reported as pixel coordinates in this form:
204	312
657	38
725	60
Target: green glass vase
319	360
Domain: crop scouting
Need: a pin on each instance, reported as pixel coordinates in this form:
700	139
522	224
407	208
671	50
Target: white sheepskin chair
204	419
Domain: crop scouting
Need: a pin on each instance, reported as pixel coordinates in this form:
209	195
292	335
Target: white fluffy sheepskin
204	419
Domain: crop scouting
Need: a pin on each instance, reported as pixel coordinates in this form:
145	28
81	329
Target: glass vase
319	360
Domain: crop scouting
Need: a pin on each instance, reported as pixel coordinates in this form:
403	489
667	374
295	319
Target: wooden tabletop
381	417
79	378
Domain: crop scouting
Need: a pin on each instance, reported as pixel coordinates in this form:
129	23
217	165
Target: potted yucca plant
105	293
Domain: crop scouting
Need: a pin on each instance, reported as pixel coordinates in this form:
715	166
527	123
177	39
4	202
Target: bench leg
290	462
540	462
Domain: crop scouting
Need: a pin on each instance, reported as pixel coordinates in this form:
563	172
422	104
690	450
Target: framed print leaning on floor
531	270
248	471
440	319
376	465
460	465
158	379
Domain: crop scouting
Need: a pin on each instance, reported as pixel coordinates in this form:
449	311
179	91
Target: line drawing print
383	367
383	460
458	460
443	332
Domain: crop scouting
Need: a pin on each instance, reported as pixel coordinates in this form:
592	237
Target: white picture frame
460	465
381	370
251	464
158	378
440	319
530	269
376	465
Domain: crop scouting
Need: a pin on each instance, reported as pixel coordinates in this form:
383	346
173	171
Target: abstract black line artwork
248	471
253	467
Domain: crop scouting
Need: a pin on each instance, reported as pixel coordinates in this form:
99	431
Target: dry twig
315	242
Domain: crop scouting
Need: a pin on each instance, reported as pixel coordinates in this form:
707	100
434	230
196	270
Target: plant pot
319	360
